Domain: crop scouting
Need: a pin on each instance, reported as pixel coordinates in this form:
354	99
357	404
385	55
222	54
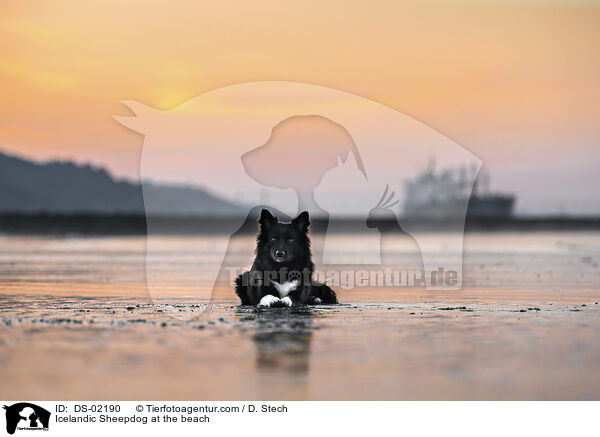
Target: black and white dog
282	271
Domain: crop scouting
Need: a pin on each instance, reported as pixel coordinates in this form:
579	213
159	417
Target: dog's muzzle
279	255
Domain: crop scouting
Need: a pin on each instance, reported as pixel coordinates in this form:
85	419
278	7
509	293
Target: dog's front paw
268	300
286	301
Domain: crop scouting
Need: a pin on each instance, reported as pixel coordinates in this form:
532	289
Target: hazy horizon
244	203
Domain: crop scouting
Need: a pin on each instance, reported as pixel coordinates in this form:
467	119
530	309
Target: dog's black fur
282	254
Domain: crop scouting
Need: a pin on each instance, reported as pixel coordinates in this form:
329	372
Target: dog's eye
273	238
290	241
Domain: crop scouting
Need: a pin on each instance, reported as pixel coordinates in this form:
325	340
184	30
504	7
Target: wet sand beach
77	322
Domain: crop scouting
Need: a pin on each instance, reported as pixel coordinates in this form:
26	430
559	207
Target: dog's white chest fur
285	288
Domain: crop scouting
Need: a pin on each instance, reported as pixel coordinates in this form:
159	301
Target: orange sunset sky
515	82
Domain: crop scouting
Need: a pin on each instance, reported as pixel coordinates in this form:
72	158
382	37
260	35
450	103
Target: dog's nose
280	252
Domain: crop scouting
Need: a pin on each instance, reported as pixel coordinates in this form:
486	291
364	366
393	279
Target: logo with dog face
293	147
26	416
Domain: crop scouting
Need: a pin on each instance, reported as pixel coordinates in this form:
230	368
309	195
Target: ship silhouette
443	194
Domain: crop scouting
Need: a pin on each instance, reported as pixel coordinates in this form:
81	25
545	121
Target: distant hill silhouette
28	187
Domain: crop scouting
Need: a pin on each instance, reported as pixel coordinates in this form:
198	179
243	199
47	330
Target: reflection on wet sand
282	339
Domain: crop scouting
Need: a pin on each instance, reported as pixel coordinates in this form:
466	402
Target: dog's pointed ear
302	221
266	218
